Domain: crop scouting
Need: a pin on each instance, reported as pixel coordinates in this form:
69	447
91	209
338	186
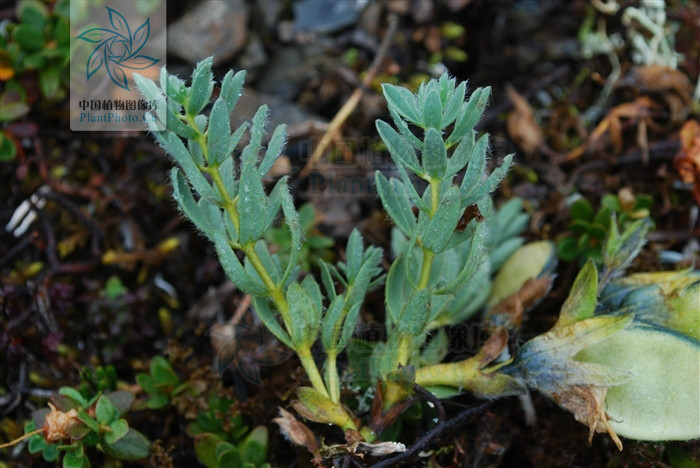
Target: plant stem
311	370
403	353
277	296
426	267
230	204
470	375
274	290
453	374
332	379
21	438
434	196
428	255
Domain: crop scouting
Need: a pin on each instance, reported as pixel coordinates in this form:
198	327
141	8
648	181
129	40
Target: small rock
281	111
399	6
456	5
212	28
285	74
326	16
422	11
253	57
285	31
269	11
370	20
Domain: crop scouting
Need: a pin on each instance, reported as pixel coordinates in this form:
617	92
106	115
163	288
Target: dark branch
434	433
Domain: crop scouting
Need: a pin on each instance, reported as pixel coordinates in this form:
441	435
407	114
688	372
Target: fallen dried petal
58	424
296	431
380	449
585	402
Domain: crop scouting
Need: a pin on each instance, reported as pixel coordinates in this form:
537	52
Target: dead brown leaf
672	86
521	125
660	79
687	161
509	312
493	347
296	431
639	111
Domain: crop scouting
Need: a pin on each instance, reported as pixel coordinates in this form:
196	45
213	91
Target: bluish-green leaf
411	190
174	87
432	111
444	221
397	289
291	217
368	269
348	327
470	115
476	169
401	151
219	133
332	324
309	283
231	88
405	132
396	202
202	87
499	173
252	205
327	280
257	130
500	254
454	105
184	198
227	171
354	253
178	151
174	124
436	349
262	309
233	268
150	91
267	261
201	121
236	137
461	155
274	149
415	314
401	101
304	315
274	202
475	258
434	154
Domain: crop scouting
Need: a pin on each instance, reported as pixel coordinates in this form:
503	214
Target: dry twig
352	102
